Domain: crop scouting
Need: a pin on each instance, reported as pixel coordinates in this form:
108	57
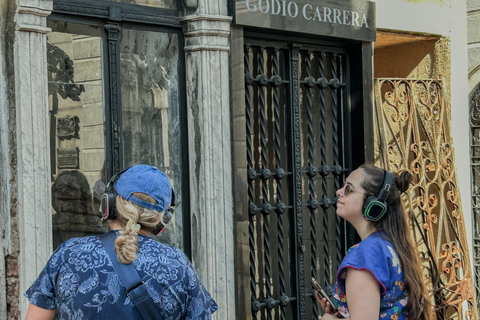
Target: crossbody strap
136	289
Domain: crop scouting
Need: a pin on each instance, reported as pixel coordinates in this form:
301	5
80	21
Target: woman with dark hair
380	277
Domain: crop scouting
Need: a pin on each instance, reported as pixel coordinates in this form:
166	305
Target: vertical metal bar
113	32
299	248
323	157
278	165
311	184
336	162
263	154
251	225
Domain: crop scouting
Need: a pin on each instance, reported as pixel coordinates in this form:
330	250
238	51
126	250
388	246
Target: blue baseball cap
145	179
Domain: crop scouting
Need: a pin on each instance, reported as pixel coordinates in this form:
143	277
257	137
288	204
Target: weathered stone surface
473	33
93	161
92	93
31	144
473	58
93	137
473	5
208	105
86	48
88	70
92	114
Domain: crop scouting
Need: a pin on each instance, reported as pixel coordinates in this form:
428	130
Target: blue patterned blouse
378	256
80	282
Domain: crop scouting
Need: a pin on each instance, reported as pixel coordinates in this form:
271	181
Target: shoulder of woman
380	253
166	251
367	253
75	242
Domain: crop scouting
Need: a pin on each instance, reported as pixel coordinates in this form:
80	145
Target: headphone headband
375	207
387	184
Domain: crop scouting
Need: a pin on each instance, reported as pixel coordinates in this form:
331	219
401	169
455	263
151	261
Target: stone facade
25	176
27	240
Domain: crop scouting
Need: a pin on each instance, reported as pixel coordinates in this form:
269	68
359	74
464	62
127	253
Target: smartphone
317	287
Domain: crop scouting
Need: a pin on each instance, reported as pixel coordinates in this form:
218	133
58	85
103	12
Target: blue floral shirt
378	256
80	282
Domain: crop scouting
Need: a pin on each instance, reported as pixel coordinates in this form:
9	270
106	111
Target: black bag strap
136	289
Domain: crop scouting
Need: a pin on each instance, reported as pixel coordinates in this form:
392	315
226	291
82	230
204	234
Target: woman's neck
364	229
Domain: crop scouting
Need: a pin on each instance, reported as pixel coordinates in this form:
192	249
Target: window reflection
165	4
150	109
76	129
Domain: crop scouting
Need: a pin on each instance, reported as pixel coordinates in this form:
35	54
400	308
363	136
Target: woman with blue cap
81	279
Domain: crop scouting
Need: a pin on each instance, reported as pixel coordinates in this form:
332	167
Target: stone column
33	207
209	138
4	160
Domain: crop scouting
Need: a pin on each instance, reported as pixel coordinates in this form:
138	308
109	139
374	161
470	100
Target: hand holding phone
319	288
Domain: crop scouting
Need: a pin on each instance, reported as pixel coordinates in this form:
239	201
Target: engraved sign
351	19
68	158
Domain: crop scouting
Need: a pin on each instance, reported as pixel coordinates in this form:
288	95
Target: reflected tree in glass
150	109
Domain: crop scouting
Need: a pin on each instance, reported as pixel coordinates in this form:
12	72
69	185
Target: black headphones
374	207
167	216
109	207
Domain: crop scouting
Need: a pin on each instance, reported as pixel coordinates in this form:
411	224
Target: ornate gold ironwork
413	132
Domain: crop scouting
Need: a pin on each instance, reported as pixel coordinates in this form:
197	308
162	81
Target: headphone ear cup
374	209
109	208
167	217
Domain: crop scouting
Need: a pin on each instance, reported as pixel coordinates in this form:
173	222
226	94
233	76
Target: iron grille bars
290	133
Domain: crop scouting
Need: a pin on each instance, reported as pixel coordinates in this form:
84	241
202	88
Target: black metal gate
297	110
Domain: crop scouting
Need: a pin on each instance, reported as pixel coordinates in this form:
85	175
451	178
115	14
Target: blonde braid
134	218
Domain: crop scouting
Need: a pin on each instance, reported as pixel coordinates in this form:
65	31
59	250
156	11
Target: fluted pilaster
209	133
32	141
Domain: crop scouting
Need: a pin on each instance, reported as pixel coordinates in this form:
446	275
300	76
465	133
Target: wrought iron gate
296	111
413	133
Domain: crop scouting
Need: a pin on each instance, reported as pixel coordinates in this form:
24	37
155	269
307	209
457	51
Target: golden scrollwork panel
412	132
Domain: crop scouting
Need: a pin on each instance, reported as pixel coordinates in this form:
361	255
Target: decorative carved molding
115	98
32	18
41	12
80	10
206	32
75	9
155	19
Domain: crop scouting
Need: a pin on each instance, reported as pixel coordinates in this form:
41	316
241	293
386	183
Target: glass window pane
164	4
150	104
77	145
